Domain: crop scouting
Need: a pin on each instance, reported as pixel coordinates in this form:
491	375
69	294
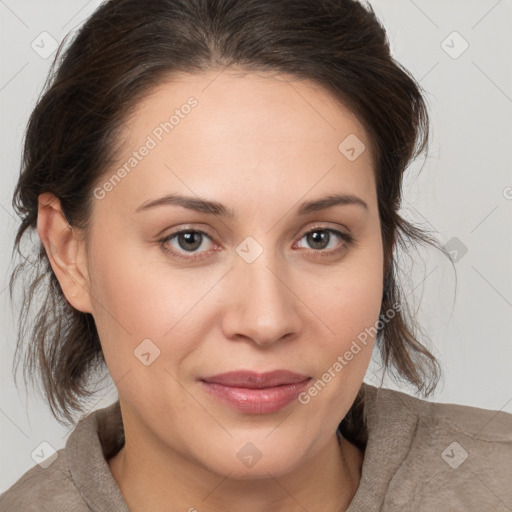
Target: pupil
188	238
317	239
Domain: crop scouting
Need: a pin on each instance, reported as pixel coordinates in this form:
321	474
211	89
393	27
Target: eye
320	238
187	241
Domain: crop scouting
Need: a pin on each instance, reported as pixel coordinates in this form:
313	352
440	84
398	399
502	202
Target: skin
261	146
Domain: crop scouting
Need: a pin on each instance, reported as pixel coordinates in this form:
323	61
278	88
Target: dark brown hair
128	47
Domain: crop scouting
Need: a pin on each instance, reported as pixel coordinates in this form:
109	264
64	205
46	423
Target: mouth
256	393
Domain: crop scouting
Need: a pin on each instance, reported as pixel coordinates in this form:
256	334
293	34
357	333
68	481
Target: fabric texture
418	456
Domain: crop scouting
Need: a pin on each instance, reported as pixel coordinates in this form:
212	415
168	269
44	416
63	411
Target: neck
151	477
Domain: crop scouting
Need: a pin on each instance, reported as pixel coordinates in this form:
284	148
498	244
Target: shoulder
478	427
476	423
456	454
44	489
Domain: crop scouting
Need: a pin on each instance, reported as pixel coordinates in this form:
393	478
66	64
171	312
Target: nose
262	308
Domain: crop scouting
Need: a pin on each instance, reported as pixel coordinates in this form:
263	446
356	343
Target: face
196	303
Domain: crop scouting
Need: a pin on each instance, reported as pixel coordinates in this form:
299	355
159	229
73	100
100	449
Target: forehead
252	131
273	108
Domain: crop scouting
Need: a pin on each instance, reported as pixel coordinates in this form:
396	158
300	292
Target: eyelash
348	241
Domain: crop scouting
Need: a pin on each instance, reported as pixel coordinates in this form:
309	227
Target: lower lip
256	401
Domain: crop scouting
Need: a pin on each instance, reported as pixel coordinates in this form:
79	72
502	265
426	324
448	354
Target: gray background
463	191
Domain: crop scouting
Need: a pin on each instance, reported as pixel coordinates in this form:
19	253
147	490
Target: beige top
418	456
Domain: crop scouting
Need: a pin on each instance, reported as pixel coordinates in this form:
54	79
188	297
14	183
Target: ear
66	251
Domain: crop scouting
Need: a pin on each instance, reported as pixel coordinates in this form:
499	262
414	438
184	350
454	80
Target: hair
128	47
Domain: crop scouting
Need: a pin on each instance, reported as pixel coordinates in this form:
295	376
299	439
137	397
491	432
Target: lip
256	393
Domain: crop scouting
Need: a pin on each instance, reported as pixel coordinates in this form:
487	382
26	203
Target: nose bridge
264	309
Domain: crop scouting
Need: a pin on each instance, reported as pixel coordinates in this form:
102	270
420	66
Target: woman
216	187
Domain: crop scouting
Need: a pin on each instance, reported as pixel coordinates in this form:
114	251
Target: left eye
319	238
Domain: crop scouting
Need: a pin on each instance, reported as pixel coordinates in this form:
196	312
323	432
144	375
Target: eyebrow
215	208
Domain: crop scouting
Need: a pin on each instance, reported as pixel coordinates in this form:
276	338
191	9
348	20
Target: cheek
131	293
353	320
138	297
358	306
129	305
353	301
342	358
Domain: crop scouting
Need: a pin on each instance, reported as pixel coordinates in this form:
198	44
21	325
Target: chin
260	471
250	463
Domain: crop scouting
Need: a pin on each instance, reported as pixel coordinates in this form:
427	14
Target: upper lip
255	380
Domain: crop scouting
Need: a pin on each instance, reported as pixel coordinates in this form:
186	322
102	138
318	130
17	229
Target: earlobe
66	251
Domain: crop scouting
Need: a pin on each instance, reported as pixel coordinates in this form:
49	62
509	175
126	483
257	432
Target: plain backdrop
460	51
